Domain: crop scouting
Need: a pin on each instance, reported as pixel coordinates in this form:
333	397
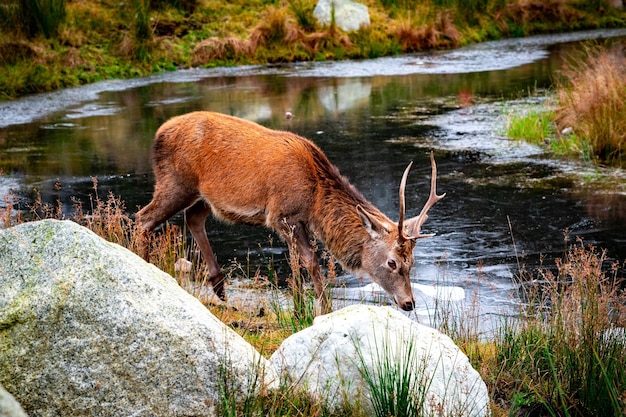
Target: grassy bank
586	115
53	44
562	354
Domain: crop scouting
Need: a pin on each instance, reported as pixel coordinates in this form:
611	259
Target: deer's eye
392	264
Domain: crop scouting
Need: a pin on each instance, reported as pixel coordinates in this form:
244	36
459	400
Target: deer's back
241	168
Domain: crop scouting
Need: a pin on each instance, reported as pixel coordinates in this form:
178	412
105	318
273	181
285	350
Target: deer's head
388	257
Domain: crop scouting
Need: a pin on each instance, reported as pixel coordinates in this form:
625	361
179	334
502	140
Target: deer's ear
372	224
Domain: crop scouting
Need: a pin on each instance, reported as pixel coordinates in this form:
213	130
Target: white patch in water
441	292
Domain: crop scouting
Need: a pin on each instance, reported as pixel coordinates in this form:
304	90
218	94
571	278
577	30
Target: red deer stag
244	173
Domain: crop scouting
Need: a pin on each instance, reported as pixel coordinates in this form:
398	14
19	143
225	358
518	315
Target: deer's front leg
299	242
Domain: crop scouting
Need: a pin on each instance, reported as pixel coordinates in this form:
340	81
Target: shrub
592	101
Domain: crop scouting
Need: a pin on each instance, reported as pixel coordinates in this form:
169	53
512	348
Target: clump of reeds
565	354
592	101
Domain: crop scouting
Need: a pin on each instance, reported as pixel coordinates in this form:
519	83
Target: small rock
182	265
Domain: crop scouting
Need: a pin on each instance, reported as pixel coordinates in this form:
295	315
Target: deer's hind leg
195	216
165	203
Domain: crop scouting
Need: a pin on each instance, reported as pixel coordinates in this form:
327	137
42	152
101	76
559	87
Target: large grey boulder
348	14
88	328
8	406
331	358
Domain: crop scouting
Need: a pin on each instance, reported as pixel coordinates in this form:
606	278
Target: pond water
371	117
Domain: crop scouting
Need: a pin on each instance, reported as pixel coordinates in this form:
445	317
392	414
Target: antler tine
432	199
401	235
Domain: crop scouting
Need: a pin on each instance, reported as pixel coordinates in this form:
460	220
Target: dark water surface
371	117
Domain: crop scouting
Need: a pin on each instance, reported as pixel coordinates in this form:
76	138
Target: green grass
537	126
534	126
397	387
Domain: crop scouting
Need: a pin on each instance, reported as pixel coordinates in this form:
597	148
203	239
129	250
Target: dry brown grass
591	299
592	101
279	28
276	26
107	218
441	32
219	49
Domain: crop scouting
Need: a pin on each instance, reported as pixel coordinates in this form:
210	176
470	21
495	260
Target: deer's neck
338	224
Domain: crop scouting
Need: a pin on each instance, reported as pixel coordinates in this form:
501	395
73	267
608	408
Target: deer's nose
408	305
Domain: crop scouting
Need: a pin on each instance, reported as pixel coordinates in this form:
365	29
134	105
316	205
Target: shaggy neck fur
336	219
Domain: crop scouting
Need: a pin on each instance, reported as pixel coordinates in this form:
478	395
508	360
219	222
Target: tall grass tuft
35	17
566	353
303	12
274	28
534	126
592	101
396	381
417	35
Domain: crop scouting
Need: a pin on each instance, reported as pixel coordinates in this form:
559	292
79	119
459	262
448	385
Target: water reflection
371	118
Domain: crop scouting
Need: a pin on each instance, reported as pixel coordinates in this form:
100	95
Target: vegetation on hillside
52	44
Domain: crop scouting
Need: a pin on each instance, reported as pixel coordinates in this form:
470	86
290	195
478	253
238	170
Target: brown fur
244	173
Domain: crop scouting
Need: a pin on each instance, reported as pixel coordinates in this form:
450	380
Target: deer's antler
414	224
